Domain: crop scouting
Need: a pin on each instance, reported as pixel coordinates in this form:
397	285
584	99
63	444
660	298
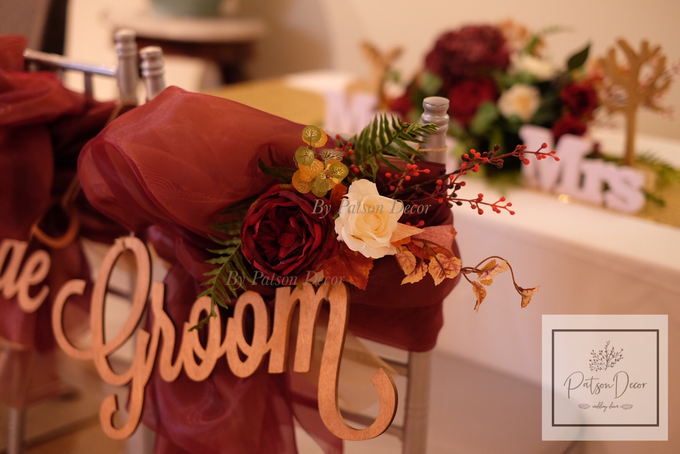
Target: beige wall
308	34
89	39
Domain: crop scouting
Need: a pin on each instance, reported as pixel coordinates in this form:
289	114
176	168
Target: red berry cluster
496	206
396	180
472	159
419	224
445	188
521	151
347	150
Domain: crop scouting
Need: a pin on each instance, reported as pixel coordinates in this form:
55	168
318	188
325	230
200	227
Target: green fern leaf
666	174
388	136
240	208
228	278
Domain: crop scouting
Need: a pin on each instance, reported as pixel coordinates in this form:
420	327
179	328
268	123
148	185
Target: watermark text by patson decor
310	277
394	207
605	377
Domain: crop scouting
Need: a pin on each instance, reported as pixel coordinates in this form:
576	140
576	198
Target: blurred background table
586	259
229	42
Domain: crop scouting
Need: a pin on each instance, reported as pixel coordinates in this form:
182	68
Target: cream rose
521	100
366	220
537	67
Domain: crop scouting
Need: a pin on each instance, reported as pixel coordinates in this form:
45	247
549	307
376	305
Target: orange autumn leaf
338	192
426	252
418	251
417	274
442	235
490	264
406	259
527	293
403	233
317	278
491	270
433	240
443	267
480	293
350	266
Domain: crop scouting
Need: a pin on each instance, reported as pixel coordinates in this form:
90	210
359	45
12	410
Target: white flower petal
362	188
541	69
366	220
521	100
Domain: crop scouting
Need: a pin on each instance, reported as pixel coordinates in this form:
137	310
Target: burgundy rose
466	52
568	124
466	97
401	105
284	235
580	99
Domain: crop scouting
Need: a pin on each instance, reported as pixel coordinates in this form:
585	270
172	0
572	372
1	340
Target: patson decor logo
602	361
605	377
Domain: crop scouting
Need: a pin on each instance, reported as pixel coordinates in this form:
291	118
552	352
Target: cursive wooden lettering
328	377
139	372
243	357
310	304
34	271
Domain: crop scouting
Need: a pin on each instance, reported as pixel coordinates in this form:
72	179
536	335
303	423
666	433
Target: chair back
25	17
126	72
416	367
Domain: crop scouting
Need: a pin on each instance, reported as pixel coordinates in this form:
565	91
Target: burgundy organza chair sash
43	127
169	168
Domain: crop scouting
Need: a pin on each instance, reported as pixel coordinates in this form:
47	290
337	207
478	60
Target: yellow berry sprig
317	176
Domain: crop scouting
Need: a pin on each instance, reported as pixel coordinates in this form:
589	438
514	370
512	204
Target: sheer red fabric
169	168
43	127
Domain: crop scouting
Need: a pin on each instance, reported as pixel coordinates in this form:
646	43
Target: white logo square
605	377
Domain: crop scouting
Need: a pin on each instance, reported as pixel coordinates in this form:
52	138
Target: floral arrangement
338	209
498	79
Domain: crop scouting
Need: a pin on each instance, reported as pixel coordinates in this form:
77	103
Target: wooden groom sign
148	346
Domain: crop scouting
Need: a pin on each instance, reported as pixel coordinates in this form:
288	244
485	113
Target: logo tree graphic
604	359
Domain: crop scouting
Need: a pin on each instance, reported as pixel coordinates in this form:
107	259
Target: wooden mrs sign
147	347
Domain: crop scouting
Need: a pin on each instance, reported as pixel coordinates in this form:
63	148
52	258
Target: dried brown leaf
349	266
406	259
527	293
480	293
443	267
403	233
417	275
491	270
443	235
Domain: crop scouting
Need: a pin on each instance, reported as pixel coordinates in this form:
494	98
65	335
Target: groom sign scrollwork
244	357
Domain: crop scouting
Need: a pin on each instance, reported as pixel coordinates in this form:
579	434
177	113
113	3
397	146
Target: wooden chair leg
16	428
142	441
417	403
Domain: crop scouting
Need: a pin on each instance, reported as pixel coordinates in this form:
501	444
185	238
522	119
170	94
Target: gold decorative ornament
639	83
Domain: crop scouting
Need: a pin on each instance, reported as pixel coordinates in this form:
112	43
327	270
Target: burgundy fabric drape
43	127
169	168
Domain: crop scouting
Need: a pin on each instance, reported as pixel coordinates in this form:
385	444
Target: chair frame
127	77
126	73
413	433
417	368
